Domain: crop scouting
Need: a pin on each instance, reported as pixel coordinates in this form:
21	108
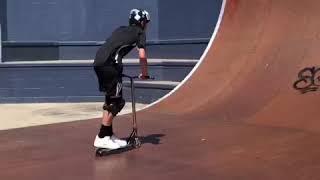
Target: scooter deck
105	151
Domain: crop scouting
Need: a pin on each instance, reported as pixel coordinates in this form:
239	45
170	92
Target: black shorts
110	80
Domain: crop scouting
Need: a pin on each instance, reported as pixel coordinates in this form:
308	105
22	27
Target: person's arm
143	63
141	45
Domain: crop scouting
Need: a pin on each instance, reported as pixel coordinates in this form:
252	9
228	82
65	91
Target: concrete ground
25	115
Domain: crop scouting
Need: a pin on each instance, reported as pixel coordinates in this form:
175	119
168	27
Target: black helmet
137	16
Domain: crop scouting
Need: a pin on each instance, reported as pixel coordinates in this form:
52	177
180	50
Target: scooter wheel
137	143
99	152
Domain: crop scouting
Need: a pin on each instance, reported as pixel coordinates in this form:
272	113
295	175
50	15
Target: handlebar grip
130	77
147	77
150	77
138	77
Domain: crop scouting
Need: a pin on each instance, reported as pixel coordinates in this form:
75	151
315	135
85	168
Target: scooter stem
134	116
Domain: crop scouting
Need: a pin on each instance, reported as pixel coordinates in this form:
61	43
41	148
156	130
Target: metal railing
99	43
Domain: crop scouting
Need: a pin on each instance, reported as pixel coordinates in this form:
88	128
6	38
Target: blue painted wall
3	19
188	19
71	20
93	20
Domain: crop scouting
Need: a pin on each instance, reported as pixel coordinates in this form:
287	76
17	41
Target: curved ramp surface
236	117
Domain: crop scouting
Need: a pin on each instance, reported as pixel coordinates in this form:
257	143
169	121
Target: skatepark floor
25	115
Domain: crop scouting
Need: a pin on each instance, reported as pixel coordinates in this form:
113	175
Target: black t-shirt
121	42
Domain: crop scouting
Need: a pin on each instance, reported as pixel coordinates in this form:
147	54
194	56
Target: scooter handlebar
138	77
146	77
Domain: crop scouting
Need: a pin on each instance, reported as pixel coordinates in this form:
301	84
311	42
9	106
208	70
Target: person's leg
106	125
107	118
109	112
111	108
106	78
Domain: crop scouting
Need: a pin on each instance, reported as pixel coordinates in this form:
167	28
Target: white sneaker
105	142
121	143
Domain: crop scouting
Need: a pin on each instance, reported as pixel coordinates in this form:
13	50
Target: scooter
133	140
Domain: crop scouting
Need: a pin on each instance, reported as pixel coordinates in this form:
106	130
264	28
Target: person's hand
144	77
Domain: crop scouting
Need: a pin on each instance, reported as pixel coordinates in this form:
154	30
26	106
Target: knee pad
114	107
